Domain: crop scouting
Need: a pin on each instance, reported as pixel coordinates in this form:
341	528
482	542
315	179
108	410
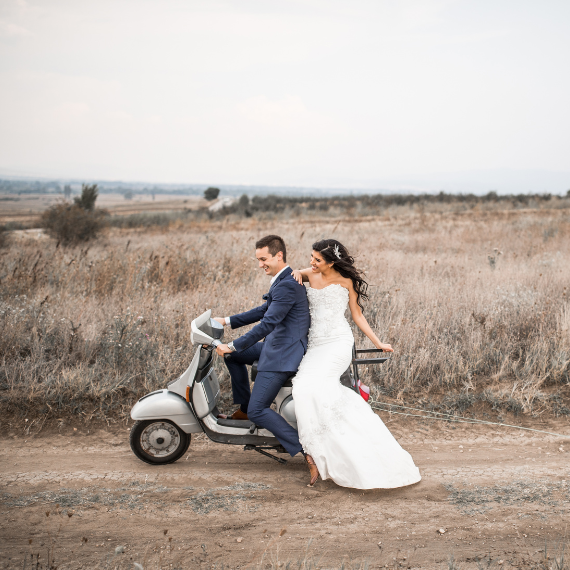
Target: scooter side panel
282	395
179	385
165	405
205	394
287	410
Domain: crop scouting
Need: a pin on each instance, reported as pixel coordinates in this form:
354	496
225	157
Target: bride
343	439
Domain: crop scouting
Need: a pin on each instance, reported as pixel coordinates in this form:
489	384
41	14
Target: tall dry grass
475	305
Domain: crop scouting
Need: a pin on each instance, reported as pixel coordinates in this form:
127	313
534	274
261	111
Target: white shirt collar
275	276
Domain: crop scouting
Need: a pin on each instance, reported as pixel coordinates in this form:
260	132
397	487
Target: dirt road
493	491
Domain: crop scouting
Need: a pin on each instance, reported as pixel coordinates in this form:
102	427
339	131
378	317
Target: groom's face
271	264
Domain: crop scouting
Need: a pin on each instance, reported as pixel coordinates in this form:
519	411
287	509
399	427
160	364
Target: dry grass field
475	304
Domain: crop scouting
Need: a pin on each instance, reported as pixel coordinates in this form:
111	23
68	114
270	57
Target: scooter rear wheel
158	442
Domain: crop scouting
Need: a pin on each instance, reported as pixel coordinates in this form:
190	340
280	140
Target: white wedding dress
348	441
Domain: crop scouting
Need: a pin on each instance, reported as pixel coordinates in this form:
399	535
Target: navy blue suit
284	322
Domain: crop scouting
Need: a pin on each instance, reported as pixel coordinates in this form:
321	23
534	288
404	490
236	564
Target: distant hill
478	182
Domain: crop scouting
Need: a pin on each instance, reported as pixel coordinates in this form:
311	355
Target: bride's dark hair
334	252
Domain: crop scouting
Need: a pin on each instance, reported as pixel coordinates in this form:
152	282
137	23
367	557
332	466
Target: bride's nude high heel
313	470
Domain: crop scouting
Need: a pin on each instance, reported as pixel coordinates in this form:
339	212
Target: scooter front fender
166	405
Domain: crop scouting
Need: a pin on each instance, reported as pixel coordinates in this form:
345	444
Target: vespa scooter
167	418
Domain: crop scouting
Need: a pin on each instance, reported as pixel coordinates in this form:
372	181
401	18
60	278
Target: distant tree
128	195
211	193
89	193
243	206
67	191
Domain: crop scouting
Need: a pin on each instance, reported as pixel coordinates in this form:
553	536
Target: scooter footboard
166	405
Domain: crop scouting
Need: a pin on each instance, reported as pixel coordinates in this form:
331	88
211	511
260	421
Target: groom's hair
274	244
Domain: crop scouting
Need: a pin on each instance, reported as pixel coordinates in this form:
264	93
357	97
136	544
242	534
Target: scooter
166	419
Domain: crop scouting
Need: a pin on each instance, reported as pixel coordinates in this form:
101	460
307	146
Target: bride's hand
298	276
386	347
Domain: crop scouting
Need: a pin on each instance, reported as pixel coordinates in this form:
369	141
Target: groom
284	322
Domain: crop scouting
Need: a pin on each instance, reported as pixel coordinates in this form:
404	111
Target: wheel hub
160	439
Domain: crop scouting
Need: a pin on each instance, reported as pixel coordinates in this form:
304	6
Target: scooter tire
136	440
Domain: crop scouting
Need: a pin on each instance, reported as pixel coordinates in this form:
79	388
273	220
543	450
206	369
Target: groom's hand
221	320
223	349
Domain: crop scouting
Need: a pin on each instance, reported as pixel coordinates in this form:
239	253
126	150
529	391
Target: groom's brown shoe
237	415
312	469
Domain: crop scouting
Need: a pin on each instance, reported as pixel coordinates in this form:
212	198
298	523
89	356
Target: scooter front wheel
158	442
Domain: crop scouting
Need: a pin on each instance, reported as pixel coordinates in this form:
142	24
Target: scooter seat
289	382
243	424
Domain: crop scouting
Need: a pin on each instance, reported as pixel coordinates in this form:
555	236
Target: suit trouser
266	387
235	363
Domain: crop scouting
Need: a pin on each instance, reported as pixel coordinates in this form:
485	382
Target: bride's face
318	264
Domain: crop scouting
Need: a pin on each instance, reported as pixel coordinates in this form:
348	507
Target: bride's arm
362	323
301	275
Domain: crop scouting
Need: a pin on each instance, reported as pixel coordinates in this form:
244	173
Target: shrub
72	224
211	193
128	195
148	219
2	236
75	223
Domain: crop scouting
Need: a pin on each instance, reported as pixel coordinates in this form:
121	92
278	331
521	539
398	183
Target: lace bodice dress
348	441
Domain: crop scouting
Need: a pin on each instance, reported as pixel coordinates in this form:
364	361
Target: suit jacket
284	322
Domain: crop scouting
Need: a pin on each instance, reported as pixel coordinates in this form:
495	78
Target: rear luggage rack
358	361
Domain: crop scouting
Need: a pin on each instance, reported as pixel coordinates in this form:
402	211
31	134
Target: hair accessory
337	250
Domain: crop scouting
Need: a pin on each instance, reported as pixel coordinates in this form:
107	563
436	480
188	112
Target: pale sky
368	93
